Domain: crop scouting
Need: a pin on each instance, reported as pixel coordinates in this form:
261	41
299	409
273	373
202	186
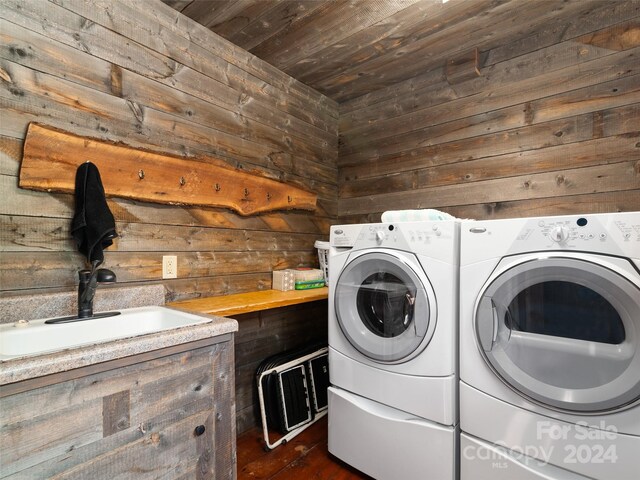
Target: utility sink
22	339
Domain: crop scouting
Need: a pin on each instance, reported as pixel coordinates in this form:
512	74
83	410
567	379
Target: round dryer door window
383	306
564	332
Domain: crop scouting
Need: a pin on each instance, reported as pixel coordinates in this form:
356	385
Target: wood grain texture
51	157
538	128
268	332
623	201
311	34
564	131
143	75
425	49
366	44
240	303
603	178
115	412
305	456
505	110
28	94
351	48
593	152
279	15
135	419
462	67
185	93
186	41
10	389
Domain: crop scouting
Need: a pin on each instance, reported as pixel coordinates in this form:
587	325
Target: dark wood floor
304	457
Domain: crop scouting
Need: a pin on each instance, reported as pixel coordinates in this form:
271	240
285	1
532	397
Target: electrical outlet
169	266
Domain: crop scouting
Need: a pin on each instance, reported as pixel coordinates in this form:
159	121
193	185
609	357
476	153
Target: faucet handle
89	280
105	275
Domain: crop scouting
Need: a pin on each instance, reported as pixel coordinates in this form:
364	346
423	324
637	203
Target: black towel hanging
93	226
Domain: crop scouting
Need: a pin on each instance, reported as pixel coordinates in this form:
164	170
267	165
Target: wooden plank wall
551	126
267	333
142	74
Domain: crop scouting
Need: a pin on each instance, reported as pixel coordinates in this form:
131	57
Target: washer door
383	307
564	332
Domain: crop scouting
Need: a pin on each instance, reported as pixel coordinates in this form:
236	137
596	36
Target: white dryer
393	348
550	348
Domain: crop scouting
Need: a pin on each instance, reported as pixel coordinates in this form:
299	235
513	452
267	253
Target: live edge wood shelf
51	158
229	305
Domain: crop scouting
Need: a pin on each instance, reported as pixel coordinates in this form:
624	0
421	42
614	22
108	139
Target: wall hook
246	192
217	187
140	174
289	199
182	181
268	197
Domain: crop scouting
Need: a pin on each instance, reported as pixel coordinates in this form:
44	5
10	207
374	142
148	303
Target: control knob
379	236
559	234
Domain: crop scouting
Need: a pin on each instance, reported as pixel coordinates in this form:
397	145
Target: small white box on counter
283	280
286	280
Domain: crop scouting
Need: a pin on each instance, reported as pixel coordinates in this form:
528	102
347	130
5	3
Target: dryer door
564	332
384	307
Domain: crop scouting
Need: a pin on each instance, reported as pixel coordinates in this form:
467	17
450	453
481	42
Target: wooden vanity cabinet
168	414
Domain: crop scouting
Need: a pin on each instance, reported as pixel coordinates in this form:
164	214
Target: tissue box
307	274
283	280
297	279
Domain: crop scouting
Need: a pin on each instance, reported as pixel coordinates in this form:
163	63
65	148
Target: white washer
550	348
393	348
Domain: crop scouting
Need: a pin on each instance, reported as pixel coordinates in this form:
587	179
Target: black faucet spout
87	286
89	280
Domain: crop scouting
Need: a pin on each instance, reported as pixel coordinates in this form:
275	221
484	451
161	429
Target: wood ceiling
348	48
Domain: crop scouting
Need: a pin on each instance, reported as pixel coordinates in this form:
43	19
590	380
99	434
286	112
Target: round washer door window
383	307
564	332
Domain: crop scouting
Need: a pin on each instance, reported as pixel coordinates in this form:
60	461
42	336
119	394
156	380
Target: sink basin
35	338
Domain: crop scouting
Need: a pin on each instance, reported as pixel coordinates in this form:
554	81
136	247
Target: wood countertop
236	304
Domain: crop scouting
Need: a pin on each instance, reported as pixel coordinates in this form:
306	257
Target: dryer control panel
615	234
581	231
567	231
609	233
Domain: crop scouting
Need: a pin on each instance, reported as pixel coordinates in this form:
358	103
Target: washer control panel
379	235
391	235
424	235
